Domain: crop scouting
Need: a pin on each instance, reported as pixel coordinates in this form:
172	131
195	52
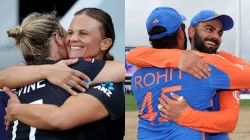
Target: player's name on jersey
30	87
150	78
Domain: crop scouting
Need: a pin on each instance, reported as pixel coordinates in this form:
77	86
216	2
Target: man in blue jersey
149	83
146	82
206	39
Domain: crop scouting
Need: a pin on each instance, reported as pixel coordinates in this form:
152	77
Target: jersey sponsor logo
30	87
106	88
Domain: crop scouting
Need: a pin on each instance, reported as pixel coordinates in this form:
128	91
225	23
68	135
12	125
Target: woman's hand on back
63	76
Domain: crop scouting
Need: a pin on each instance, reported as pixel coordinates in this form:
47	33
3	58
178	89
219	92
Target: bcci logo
106	88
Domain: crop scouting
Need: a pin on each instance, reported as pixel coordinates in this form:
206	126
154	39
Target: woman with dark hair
99	29
101	109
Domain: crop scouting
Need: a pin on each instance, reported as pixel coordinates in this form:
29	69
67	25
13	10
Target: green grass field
245	103
131	104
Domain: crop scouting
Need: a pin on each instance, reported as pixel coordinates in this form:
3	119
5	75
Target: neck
54	55
100	57
192	46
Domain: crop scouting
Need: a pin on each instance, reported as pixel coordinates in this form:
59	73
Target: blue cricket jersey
149	83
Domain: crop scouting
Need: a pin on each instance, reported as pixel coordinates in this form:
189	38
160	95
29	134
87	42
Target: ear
58	40
106	43
191	32
181	34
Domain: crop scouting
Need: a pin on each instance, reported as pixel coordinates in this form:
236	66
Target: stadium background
235	41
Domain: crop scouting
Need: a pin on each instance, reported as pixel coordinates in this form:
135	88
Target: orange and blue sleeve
149	57
235	76
233	58
228	75
224	120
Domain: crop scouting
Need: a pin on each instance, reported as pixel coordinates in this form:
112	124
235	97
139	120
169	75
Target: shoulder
83	63
215	58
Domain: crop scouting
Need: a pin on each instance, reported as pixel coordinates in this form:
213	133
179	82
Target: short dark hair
167	42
